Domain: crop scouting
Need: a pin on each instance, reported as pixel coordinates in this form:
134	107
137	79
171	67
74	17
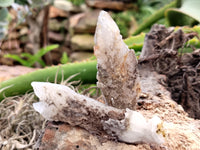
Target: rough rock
55	12
68	6
6	61
82	42
23	31
56	37
80	56
55	25
84	22
13	35
63	136
111	4
9	61
12	44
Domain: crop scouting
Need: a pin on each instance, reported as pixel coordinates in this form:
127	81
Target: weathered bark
160	53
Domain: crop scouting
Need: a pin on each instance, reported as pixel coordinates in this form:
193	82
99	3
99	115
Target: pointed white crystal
141	130
117	75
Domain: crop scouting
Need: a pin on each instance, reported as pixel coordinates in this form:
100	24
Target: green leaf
27	55
77	2
159	14
17	58
40	61
135	42
6	3
32	59
187	14
64	59
43	51
40	53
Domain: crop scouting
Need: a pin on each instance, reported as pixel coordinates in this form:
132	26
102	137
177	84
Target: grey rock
68	6
56	37
82	42
55	25
79	56
84	22
110	4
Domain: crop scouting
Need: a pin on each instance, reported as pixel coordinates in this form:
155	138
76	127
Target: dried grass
20	124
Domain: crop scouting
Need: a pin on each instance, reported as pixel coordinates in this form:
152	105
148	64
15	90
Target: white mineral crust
117	74
60	103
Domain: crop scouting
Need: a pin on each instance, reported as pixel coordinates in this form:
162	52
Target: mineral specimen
60	103
117	75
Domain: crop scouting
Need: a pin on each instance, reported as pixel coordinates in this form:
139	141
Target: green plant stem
136	42
21	84
155	17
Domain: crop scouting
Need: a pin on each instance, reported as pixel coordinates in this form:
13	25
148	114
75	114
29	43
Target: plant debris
20	125
160	53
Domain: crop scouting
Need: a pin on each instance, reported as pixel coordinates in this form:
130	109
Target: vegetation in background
90	90
148	7
155	17
77	2
158	11
136	42
123	20
187	14
29	60
64	59
22	7
136	17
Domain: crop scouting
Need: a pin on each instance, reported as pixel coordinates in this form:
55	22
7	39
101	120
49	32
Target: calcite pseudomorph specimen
60	103
119	83
117	75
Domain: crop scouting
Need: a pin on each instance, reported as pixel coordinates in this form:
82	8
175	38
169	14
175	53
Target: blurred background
39	33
